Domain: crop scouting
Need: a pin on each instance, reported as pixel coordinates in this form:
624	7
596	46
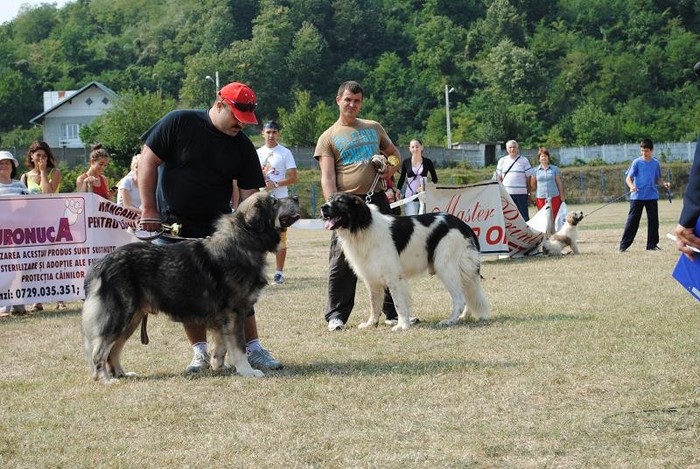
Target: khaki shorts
283	239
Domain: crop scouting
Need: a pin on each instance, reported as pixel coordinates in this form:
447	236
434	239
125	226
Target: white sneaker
200	362
336	324
393	322
278	279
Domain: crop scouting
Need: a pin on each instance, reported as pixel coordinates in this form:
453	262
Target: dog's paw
217	363
367	324
447	323
251	373
401	327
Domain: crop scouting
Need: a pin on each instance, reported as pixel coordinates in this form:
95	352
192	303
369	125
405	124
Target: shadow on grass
392	367
370	367
41	315
147	377
505	319
684	417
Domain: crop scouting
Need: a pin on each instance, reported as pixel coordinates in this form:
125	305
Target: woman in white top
128	188
10	186
8	171
413	170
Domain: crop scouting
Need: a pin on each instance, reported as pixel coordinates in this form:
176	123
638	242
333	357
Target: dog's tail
477	303
144	332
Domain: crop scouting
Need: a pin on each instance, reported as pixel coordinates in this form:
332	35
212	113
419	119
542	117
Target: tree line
545	72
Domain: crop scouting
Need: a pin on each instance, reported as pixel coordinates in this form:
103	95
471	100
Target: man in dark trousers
202	152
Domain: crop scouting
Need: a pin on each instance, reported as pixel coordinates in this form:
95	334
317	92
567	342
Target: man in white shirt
280	171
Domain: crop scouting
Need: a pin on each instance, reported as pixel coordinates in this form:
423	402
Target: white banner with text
490	211
49	241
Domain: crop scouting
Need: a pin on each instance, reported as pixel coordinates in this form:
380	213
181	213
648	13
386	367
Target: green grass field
588	361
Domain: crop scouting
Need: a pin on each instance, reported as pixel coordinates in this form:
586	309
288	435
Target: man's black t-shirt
200	165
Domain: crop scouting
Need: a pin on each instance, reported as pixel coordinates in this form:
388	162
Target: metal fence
480	155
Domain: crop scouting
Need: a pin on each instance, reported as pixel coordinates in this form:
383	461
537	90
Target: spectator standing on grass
413	170
43	177
128	188
199	154
94	180
686	238
642	178
393	194
10	186
546	182
513	171
344	153
280	172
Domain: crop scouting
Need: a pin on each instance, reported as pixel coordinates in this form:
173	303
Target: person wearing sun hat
189	162
9	185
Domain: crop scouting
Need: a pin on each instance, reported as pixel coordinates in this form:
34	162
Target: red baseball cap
242	101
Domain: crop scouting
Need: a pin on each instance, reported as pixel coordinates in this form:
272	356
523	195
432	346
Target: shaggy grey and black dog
213	282
385	250
565	237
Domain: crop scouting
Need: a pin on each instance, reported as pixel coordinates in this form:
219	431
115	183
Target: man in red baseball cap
242	101
188	164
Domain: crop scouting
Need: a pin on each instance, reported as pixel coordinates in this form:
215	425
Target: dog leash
164	230
370	193
379	162
611	202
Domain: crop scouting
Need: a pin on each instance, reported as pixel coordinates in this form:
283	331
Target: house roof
39	118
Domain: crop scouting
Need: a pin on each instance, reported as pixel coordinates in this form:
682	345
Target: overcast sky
10	8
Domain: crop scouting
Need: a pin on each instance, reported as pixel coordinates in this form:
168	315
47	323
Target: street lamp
216	82
448	90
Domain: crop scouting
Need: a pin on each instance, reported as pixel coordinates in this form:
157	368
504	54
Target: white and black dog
213	282
386	250
565	237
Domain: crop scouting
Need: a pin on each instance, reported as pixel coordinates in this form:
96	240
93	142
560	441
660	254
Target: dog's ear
257	216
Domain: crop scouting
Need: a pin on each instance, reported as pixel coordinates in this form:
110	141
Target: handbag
561	216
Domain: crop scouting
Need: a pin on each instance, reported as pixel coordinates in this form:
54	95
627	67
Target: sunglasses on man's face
243	107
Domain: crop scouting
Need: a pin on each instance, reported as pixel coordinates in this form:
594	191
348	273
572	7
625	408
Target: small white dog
565	237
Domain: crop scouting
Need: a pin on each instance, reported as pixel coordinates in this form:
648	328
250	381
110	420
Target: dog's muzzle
289	212
329	217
